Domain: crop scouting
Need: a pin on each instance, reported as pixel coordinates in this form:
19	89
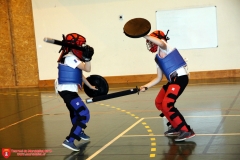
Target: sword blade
113	95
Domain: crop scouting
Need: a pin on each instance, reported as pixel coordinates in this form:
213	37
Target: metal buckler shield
137	27
100	83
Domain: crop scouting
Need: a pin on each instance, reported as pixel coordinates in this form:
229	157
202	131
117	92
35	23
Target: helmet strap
62	48
166	37
162	37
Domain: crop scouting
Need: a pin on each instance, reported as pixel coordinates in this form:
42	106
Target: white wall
116	54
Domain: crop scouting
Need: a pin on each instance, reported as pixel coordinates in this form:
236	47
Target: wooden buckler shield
137	27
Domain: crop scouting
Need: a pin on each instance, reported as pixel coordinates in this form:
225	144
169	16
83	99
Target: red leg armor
168	109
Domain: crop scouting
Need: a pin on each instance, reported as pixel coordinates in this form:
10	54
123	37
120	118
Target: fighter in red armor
172	65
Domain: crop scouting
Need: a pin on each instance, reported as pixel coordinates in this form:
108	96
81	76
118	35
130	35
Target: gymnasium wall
118	55
18	58
26	60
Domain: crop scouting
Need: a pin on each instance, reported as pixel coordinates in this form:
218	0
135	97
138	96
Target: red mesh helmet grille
151	46
78	40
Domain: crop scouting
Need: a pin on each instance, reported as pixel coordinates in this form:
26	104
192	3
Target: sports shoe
83	136
171	132
70	145
185	135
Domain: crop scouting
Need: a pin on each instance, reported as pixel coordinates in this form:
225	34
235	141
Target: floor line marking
18	122
161	135
206	149
113	140
140	119
38	114
210	116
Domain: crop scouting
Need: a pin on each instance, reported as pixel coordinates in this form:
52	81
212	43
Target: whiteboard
189	28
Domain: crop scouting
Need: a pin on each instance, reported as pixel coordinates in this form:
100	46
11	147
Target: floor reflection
179	150
20	122
78	155
18	105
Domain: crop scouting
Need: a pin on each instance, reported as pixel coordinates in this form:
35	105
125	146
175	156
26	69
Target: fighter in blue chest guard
71	63
172	65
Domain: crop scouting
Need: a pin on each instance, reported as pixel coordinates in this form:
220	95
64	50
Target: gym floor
34	122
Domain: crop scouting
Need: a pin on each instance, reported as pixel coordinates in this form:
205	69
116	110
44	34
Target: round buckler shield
100	83
137	27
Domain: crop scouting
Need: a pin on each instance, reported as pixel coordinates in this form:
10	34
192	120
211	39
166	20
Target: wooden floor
34	122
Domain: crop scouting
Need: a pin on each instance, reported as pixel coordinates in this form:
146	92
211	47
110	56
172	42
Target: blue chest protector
68	75
170	63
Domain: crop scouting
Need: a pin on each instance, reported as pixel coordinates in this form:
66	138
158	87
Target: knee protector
81	109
